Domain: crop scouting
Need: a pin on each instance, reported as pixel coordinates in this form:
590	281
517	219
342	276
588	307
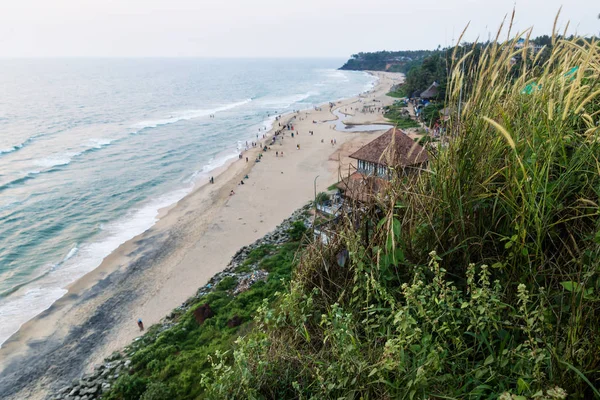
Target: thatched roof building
392	149
391	153
431	92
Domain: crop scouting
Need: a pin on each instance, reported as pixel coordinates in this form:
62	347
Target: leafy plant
297	230
478	278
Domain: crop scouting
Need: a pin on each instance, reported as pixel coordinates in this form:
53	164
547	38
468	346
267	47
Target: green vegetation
431	113
169	364
398	92
322	197
479	278
333	187
433	69
423	140
298	231
392	61
398	115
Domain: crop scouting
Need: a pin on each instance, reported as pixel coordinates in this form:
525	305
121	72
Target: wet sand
159	269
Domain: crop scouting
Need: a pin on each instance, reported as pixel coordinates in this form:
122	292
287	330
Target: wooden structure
393	153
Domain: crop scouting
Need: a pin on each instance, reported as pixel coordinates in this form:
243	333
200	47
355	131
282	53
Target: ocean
91	149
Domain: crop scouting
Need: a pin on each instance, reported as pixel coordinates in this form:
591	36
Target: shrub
157	391
322	198
510	310
297	230
168	364
227	283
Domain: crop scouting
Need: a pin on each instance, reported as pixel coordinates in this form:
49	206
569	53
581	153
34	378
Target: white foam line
187	115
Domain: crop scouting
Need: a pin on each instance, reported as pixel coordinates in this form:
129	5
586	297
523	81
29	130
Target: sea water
91	149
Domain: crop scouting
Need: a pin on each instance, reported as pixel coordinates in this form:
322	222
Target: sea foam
187	115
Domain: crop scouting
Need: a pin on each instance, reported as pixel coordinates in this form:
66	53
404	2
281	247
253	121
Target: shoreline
154	272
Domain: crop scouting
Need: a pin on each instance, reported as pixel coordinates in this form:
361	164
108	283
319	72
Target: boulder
235	321
203	313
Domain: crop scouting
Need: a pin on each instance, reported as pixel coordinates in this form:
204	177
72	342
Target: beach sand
194	239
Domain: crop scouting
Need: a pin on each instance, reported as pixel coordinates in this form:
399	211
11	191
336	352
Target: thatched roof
431	91
360	187
393	148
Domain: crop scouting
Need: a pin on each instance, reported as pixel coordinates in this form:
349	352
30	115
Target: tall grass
478	279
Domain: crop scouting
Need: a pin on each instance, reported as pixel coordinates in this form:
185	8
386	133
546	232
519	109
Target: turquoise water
90	149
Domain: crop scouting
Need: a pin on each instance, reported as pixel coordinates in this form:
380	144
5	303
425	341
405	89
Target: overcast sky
265	28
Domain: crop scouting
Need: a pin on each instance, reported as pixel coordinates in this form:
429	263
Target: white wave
337	75
8	150
286	101
71	253
268	123
23	306
371	84
10	201
100	142
28	302
219	162
187	115
19	146
55	161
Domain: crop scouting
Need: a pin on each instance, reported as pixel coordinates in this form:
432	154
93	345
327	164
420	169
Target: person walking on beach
140	324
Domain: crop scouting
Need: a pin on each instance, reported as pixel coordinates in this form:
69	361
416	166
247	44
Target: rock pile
92	386
249	280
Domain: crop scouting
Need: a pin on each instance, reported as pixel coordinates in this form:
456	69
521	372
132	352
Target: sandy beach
156	271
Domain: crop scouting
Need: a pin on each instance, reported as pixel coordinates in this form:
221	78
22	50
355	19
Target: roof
431	91
395	147
360	187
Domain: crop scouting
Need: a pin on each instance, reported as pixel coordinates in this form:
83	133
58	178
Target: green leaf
399	255
489	360
568	285
597	237
373	372
522	385
396	227
390	243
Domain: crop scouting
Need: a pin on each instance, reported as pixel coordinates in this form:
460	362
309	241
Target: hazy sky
264	28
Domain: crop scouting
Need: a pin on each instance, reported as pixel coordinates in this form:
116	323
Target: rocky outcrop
92	386
203	313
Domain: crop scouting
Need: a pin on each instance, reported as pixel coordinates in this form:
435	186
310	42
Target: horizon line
2	57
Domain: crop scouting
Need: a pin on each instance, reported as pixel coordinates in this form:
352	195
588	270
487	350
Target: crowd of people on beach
277	137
